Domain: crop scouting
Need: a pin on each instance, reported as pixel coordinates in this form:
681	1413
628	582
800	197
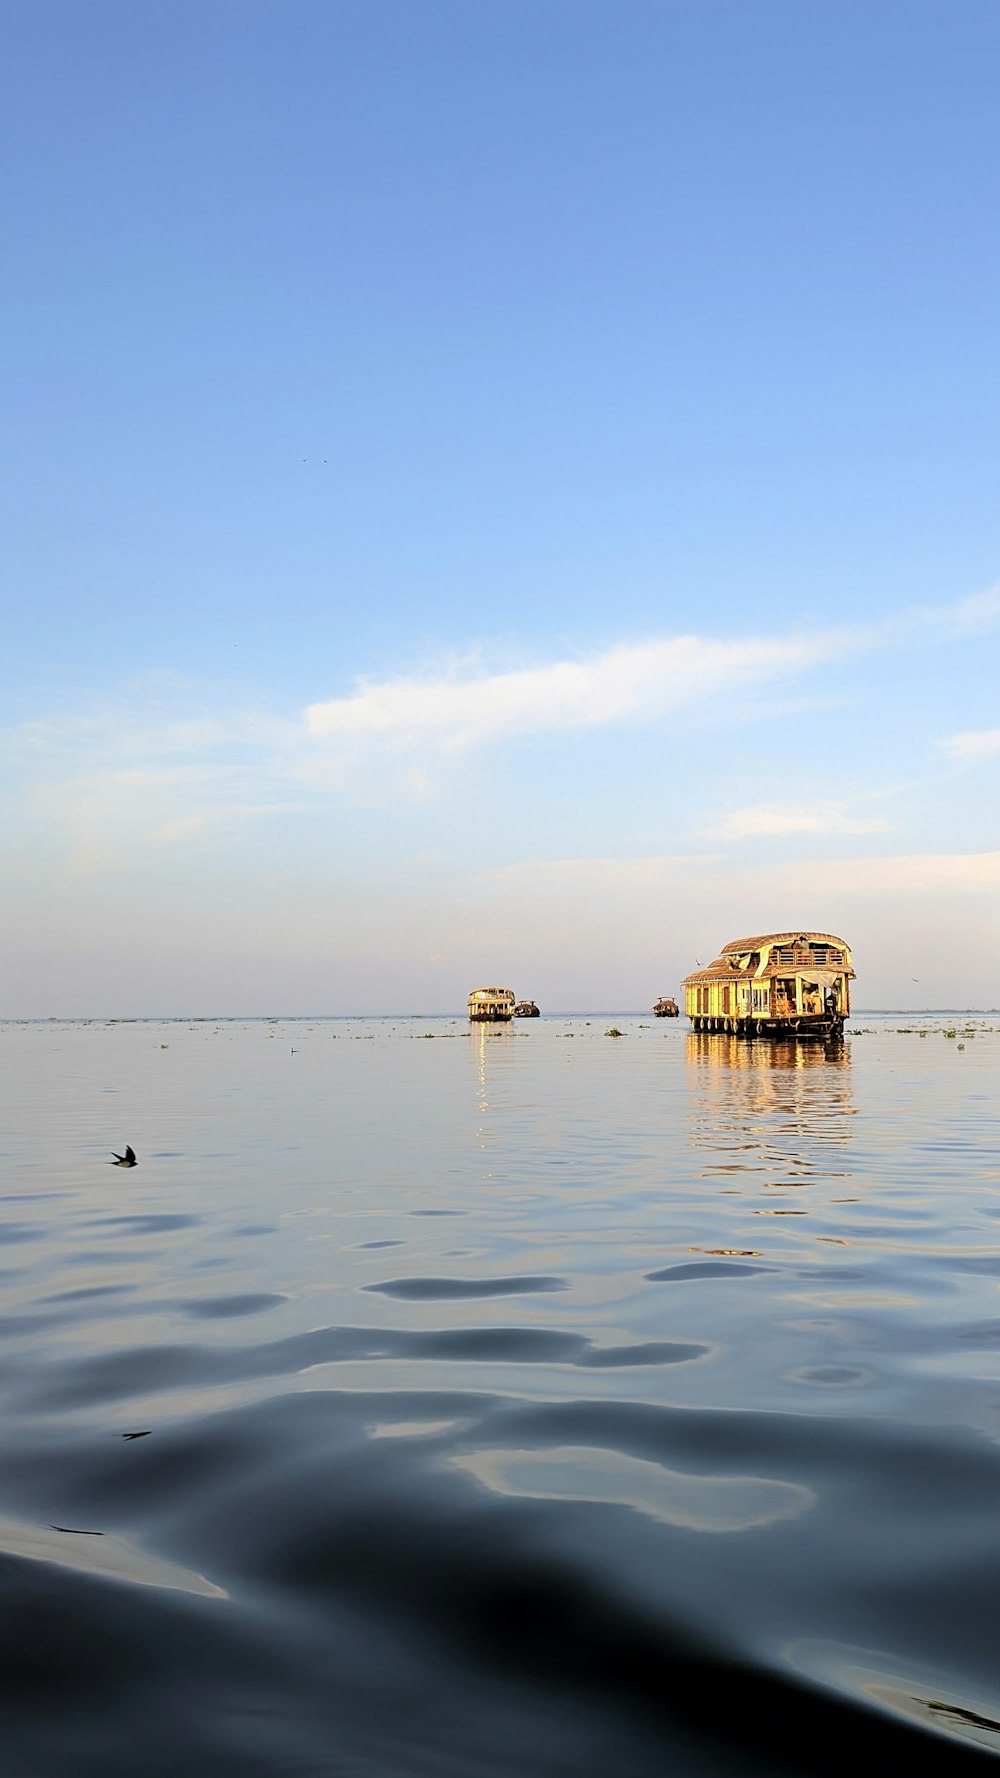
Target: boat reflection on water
781	1108
728	1051
491	1043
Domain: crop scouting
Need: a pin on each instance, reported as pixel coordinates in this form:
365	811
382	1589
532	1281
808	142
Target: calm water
520	1401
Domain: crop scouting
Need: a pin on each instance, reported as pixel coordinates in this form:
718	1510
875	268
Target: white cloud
763	819
629	682
973	745
460	707
171	763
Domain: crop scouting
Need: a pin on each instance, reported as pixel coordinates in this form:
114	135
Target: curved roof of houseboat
726	963
782	938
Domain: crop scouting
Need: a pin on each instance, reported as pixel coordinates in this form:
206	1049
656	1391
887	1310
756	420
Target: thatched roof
783	938
726	965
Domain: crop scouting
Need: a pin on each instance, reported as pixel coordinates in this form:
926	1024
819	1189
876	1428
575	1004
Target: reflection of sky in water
113	1558
925	1695
696	1502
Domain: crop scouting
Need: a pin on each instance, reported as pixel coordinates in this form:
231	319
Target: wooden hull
491	1015
794	1025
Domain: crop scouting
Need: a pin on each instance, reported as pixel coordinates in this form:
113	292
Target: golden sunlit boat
792	983
491	1006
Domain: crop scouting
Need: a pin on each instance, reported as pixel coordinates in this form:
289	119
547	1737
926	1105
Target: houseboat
792	983
526	1009
491	1006
666	1008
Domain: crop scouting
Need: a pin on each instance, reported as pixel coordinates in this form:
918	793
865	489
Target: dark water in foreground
521	1402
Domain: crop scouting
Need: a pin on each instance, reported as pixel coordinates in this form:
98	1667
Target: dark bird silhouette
124	1160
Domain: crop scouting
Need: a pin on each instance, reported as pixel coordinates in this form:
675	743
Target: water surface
466	1403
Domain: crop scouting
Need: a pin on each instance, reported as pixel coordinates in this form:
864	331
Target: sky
496	491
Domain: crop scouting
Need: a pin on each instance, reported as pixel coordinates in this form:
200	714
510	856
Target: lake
464	1403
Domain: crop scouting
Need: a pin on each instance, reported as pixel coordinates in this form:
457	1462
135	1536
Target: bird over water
124	1160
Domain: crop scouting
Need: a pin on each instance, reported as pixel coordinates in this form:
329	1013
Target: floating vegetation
614	1032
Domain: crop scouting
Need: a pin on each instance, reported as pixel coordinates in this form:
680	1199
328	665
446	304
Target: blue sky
497	491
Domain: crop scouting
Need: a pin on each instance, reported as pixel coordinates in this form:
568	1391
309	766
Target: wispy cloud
908	876
461	706
973	745
630	682
763	819
112	819
168	763
976	615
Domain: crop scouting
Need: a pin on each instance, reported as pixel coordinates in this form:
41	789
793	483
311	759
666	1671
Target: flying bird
124	1160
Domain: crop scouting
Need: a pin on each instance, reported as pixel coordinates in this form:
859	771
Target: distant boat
667	1009
526	1009
491	1006
792	983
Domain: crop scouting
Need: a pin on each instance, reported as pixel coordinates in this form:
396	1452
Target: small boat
793	984
491	1006
526	1009
666	1008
